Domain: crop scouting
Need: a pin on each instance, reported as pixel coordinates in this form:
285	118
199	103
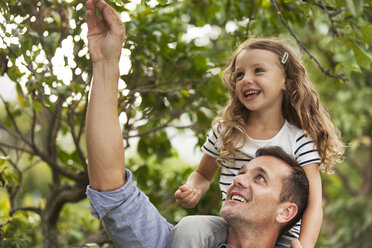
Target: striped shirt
290	138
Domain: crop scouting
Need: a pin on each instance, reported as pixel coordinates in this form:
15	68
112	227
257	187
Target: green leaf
51	42
362	58
366	33
14	73
38	107
99	13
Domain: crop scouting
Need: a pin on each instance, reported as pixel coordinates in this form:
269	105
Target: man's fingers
112	19
110	15
91	16
90	19
90	4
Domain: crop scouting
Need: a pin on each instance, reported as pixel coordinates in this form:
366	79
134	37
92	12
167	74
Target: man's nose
241	180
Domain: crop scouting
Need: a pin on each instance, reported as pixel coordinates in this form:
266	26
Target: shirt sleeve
305	150
129	217
212	144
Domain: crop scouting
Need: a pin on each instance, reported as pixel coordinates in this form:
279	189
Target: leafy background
173	85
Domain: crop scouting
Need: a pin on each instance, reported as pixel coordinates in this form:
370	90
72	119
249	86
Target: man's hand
296	244
187	196
105	36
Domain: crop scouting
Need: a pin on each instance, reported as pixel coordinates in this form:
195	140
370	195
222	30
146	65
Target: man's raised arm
106	166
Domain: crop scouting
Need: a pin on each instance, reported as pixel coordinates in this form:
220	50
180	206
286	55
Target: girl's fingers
187	196
182	192
192	198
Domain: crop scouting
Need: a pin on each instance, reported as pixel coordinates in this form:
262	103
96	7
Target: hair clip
285	57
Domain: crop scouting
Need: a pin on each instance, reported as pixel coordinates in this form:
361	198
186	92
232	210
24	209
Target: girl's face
259	80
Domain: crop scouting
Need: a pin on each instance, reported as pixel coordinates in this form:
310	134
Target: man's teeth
238	198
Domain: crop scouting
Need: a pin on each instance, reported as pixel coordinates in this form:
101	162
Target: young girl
271	102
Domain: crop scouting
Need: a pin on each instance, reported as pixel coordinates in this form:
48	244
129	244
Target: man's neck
243	237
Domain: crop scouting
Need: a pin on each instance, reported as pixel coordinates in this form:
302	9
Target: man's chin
226	211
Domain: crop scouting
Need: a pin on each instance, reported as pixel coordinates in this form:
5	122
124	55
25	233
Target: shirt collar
224	246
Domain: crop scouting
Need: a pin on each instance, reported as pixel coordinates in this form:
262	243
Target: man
257	209
267	197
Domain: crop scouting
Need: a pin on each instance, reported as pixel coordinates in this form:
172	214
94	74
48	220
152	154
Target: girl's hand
187	196
296	244
106	35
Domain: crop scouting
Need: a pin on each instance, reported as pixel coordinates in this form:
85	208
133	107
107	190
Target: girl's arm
188	195
313	216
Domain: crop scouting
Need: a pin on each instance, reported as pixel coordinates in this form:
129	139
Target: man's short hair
295	186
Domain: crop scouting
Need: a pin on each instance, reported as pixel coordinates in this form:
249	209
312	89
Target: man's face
254	195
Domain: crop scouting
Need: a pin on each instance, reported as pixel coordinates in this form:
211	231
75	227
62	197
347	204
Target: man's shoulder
199	231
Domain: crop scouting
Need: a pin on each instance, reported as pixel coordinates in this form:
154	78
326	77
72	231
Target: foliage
173	82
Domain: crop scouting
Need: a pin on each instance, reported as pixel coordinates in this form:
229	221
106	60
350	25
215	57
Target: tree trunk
50	215
49	231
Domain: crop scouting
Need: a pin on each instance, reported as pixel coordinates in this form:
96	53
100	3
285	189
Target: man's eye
261	178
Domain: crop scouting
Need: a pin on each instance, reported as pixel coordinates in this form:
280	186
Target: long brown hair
301	105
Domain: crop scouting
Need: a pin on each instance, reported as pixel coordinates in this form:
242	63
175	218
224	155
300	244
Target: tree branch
326	72
31	209
250	17
16	148
319	5
11	117
61	196
345	179
75	138
334	30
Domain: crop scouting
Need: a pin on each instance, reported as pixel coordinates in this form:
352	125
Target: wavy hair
301	106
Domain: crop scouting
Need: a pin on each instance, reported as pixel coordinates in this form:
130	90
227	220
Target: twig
346	181
16	148
75	138
318	5
334	30
250	18
326	72
31	209
11	117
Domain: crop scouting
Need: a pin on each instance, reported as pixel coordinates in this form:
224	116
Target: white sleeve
212	144
305	150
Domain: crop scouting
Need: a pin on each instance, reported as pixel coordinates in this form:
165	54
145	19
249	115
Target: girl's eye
239	75
258	70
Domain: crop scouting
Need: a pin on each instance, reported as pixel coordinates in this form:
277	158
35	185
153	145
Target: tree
173	83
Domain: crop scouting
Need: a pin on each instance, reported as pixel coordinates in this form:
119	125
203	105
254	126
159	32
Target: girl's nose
247	79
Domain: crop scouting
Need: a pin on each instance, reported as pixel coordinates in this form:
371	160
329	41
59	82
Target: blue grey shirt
129	217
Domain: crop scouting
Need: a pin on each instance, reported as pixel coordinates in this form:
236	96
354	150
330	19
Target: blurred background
170	90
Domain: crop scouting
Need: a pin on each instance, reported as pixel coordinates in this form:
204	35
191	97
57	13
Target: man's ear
287	211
